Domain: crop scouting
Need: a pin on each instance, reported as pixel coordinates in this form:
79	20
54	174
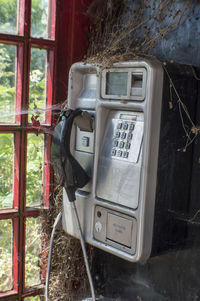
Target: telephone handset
71	173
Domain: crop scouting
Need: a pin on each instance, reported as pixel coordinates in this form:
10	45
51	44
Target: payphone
121	153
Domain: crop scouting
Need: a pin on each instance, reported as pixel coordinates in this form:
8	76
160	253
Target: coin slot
136	81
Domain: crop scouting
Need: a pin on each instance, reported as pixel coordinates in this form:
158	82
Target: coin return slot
119	230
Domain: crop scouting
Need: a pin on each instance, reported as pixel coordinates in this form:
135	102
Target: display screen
116	83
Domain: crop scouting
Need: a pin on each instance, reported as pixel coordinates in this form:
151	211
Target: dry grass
123	30
68	278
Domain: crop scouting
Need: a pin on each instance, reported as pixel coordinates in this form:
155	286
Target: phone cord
56	225
84	252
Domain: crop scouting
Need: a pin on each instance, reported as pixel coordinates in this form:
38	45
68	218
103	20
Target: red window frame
73	25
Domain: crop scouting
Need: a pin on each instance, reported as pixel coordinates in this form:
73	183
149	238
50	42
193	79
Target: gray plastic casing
105	221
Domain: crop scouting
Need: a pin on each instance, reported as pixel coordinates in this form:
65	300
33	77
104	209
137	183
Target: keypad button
123	135
125	154
119	153
113	152
121	144
119	125
130	135
128	145
125	126
115	143
117	134
131	127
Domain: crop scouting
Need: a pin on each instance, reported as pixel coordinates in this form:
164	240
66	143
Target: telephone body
121	156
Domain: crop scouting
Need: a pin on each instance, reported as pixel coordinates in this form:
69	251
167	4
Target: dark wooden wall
173	275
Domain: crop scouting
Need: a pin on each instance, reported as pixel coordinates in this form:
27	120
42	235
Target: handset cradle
71	173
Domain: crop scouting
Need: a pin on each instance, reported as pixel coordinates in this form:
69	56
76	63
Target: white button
98	226
121	145
119	125
132	125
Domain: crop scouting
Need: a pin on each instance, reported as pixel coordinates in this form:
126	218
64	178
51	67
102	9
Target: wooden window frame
57	76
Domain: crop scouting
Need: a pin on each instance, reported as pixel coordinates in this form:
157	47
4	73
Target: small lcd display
116	83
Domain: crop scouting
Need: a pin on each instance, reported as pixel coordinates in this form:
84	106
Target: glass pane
6	170
8	16
36	298
34	187
5	255
39	18
7	83
32	262
116	83
37	88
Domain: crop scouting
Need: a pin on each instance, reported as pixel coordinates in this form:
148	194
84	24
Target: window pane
8	16
32	262
7	83
34	188
37	88
5	255
40	12
36	298
6	171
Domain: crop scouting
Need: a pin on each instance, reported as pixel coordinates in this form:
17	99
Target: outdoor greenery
34	169
37	83
5	255
35	148
6	170
39	14
32	265
7	82
37	298
8	16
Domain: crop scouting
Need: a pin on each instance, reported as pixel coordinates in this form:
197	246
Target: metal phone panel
83	150
130	202
82	86
118	176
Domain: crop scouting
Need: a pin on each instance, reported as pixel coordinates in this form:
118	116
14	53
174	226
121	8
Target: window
27	74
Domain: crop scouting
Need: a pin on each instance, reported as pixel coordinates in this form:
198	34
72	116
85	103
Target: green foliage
32	266
39	18
37	81
7	82
7	65
8	16
36	298
6	170
8	20
34	169
5	255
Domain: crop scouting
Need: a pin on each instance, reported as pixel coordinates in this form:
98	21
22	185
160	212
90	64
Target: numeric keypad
123	134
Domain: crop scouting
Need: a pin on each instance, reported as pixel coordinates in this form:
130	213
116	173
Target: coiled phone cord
56	225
